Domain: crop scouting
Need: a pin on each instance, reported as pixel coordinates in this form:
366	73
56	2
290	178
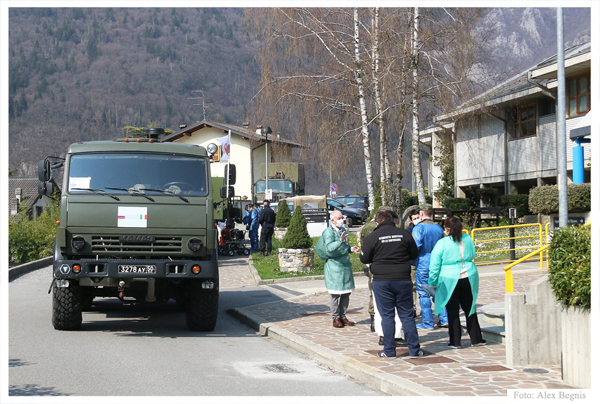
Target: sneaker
382	354
442	325
423	327
453	346
419	354
480	343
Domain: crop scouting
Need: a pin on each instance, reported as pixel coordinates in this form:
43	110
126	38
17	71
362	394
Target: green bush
31	240
487	195
283	215
409	200
459	204
520	202
569	257
297	233
544	199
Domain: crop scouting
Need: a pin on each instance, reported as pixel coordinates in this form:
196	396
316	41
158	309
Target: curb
373	378
15	272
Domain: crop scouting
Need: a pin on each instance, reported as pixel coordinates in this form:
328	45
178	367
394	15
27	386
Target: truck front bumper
146	268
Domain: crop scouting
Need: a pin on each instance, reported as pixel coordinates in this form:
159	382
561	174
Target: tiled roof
29	191
237	130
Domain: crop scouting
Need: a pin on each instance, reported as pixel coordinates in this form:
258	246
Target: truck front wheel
202	306
67	306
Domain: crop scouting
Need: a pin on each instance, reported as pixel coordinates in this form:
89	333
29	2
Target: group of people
442	258
264	218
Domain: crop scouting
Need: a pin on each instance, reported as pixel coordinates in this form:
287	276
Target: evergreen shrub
520	202
31	240
297	234
459	204
544	199
569	257
283	215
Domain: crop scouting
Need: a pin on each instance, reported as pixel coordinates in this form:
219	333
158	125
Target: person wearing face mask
339	279
426	233
456	279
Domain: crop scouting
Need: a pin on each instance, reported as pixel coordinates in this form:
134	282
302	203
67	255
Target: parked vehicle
137	224
355	201
285	180
353	215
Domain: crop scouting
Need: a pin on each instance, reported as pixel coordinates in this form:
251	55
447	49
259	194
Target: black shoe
372	323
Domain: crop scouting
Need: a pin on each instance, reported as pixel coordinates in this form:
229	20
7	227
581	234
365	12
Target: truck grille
111	244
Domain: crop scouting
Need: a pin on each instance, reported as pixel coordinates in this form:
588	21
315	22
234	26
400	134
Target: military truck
136	223
285	180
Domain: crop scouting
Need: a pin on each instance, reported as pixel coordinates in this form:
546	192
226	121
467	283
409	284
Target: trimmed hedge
569	258
544	199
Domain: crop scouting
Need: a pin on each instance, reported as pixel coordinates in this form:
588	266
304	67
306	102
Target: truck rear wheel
66	306
203	306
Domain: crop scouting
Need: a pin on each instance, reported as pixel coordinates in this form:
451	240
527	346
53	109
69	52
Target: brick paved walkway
471	371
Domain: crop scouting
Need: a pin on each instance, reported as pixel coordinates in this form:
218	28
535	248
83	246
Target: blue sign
333	187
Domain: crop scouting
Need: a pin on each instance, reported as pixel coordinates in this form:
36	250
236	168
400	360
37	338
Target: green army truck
136	223
285	180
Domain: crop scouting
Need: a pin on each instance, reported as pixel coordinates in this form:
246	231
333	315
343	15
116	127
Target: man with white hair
339	278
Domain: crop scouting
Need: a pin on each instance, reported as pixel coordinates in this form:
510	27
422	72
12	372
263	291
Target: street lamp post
265	131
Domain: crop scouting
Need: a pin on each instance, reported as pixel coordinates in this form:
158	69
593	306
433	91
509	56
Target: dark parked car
353	215
355	201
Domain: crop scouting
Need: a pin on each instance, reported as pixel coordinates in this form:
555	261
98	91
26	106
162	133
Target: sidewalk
302	321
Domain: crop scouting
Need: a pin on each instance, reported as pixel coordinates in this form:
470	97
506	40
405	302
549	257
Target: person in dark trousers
455	276
389	250
267	222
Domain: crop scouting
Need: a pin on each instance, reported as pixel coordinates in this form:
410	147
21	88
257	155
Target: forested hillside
85	73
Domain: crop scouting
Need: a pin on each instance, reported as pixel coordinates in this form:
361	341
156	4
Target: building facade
506	138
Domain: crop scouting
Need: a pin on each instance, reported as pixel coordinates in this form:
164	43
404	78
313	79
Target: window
547	107
524	121
578	95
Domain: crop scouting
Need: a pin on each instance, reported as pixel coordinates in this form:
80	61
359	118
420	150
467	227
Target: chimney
246	125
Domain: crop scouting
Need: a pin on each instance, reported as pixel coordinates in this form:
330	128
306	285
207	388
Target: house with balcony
248	150
506	138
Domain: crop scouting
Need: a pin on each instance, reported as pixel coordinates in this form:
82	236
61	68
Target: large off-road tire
66	306
203	306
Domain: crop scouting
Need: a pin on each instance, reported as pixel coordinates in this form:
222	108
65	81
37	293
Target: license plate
137	269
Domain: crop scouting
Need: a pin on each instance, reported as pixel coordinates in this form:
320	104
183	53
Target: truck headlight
78	242
195	244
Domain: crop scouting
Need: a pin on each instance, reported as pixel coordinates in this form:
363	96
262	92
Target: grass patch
492	246
268	267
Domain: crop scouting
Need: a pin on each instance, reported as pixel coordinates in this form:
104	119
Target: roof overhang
573	67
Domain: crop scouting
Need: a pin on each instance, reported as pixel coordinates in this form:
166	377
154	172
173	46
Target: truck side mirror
45	188
230	173
224	192
44	170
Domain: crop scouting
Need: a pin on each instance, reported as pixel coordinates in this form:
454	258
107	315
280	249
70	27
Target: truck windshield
278	186
186	175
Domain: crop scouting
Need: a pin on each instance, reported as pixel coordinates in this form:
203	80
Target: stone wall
296	260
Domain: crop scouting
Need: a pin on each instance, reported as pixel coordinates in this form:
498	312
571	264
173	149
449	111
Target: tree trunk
383	174
416	153
363	111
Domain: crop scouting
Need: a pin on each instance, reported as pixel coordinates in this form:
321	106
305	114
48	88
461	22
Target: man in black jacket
389	250
267	222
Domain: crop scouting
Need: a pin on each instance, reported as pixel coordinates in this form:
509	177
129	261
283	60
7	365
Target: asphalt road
147	351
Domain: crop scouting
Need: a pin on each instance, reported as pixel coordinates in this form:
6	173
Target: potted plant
296	254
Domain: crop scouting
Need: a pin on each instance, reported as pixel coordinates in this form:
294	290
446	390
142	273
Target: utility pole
203	104
563	207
